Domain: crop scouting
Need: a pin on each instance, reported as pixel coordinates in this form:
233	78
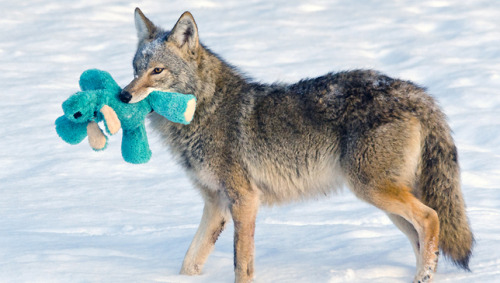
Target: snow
68	214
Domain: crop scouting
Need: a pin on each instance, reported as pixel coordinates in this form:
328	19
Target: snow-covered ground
68	214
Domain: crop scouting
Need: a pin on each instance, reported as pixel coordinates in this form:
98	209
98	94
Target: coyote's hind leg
398	200
410	232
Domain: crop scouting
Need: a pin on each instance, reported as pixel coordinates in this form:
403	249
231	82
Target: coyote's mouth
127	97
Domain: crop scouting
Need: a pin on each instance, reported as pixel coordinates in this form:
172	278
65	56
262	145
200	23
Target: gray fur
285	142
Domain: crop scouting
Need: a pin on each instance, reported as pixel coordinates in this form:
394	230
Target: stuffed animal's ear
185	32
97	139
112	122
69	131
146	30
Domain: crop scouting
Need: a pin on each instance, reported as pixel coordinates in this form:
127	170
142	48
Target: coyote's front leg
213	221
244	212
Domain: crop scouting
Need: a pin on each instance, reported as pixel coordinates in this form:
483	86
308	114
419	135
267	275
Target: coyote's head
165	60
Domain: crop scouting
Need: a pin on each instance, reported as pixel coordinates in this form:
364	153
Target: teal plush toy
98	101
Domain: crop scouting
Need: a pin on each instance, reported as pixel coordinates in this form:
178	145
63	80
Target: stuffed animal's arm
176	107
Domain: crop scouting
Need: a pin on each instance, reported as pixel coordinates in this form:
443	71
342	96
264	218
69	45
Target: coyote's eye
156	71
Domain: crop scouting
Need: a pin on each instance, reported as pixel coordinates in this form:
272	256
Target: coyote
251	143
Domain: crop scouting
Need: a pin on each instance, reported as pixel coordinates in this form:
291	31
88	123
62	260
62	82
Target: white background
69	214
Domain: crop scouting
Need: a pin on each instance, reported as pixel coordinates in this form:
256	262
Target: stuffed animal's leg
176	107
97	139
96	79
135	147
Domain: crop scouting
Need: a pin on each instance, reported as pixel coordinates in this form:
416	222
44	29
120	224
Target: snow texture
69	214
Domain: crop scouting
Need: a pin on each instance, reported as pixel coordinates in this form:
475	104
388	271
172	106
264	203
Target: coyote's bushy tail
440	186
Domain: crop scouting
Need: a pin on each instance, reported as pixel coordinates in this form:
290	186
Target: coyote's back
251	143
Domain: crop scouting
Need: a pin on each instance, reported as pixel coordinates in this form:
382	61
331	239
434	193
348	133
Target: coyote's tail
439	183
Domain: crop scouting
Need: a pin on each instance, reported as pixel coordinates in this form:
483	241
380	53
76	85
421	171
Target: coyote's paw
426	272
194	269
424	276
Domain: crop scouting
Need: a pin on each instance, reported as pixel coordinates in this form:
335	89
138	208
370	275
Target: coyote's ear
185	32
145	28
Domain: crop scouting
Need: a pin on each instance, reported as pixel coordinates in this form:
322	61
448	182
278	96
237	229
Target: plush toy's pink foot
97	139
111	118
191	106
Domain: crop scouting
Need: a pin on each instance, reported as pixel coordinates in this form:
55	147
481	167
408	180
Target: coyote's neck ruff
250	143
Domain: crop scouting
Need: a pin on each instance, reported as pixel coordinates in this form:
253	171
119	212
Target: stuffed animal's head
81	107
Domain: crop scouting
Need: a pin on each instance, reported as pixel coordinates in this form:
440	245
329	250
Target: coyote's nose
125	96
